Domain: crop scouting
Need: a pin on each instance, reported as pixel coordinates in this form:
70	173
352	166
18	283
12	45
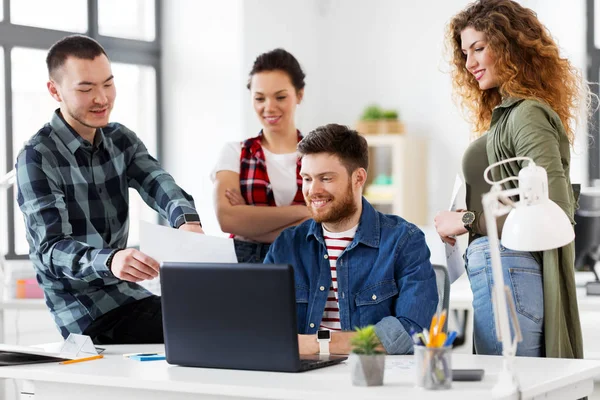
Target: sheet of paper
168	244
454	260
403	363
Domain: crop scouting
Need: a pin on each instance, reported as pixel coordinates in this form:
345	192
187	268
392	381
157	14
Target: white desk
115	377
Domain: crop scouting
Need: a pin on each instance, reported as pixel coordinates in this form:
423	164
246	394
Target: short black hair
279	60
347	144
78	46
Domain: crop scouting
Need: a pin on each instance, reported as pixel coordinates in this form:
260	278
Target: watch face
323	335
468	218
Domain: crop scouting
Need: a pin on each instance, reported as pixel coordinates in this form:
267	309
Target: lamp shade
537	227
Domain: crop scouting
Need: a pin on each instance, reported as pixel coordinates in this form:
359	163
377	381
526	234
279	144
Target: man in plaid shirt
73	178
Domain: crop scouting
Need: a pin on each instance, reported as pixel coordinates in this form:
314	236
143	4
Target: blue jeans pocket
528	290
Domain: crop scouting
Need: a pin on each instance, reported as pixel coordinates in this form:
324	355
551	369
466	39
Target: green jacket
531	128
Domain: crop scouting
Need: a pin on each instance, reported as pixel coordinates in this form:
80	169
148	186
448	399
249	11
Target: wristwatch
467	219
185	218
324	337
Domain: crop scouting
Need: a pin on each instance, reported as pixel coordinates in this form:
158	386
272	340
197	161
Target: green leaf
365	341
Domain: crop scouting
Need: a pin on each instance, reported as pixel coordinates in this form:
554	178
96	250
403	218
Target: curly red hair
527	62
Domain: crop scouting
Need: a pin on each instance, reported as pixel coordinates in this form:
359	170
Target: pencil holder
433	367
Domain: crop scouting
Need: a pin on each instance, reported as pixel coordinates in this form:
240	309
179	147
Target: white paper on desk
168	244
454	260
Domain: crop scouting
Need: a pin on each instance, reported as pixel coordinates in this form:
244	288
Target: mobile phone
467	375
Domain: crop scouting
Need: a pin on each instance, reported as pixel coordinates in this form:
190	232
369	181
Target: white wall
354	52
202	91
294	26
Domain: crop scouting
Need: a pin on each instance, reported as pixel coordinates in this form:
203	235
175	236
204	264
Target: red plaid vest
254	180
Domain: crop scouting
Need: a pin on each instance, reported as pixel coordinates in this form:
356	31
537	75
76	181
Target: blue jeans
250	252
523	276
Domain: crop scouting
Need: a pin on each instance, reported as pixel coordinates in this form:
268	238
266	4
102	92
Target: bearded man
353	266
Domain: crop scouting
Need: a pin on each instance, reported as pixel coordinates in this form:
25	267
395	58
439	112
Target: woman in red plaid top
258	189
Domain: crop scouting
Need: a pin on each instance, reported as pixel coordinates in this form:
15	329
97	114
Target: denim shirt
384	277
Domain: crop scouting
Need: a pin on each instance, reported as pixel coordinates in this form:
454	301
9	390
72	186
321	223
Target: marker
450	339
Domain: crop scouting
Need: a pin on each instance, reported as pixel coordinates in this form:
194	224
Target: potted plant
367	361
377	120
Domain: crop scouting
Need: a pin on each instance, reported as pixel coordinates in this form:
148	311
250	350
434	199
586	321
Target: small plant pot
367	370
379	126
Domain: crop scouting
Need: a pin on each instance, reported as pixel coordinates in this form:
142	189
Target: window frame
121	50
593	76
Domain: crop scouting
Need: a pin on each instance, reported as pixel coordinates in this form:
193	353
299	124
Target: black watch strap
185	218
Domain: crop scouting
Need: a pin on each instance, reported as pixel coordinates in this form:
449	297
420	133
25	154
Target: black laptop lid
239	316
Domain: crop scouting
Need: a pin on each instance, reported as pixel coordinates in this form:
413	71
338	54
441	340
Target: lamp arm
507	384
510	178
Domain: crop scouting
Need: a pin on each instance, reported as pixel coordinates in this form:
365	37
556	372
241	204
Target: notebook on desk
235	316
17	355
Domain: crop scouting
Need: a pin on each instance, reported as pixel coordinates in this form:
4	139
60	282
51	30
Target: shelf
381	202
380	194
23	304
384	139
404	158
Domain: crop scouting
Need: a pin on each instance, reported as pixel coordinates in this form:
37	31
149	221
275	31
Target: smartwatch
467	219
324	337
185	218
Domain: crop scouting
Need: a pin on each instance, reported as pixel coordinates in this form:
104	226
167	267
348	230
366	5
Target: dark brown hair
279	60
347	144
78	46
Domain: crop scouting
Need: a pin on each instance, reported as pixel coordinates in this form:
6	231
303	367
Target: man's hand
192	227
134	266
307	344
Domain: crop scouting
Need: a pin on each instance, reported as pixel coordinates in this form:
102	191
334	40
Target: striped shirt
75	201
336	243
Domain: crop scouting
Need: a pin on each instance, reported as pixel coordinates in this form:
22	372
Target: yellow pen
77	360
441	322
433	326
432	331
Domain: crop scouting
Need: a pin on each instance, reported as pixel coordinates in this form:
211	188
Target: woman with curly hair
522	98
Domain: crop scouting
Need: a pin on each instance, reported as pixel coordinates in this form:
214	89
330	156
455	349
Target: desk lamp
534	223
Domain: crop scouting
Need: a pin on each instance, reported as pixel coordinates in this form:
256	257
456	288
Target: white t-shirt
336	243
280	167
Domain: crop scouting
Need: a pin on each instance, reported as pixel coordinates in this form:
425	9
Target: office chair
587	236
443	287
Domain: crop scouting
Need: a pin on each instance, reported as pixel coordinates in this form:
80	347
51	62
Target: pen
415	339
76	360
450	339
426	335
142	354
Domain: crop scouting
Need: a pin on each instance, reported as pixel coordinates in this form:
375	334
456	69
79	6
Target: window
593	75
62	15
131	19
135	108
128	32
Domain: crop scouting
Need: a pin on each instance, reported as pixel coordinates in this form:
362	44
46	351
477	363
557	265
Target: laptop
234	316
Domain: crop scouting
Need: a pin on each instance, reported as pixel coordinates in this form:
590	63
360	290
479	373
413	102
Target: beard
338	210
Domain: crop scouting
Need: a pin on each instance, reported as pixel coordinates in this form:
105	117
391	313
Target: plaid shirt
75	202
255	186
